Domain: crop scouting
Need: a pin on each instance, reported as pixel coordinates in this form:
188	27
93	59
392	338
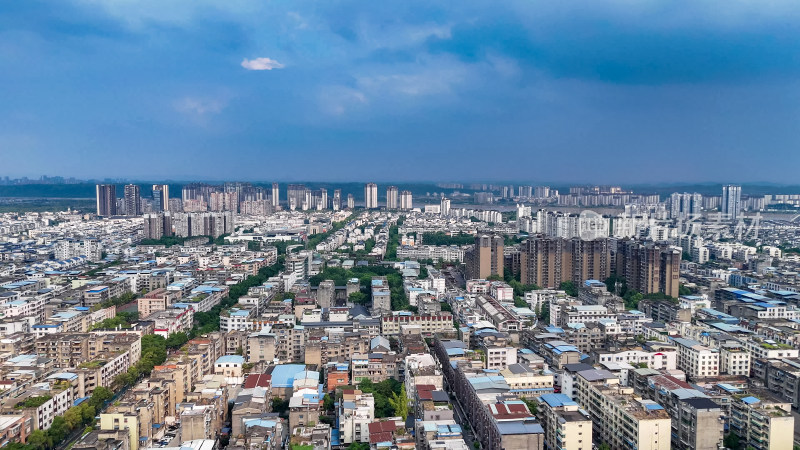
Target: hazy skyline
618	92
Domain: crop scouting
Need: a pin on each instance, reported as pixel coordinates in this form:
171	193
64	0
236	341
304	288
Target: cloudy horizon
619	92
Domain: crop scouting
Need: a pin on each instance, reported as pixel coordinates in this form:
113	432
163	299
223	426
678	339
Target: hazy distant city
520	225
369	316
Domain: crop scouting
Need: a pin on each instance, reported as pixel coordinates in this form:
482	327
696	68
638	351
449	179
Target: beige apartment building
620	418
567	427
485	258
697	360
763	422
549	261
157	300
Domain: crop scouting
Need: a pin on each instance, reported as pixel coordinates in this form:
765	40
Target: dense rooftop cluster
393	328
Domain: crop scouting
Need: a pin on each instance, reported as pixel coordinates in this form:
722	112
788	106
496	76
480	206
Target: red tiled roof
380	437
517	408
669	382
260	380
382	427
509	411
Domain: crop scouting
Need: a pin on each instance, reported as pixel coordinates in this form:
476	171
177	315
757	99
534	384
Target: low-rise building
567	427
698	425
356	411
620	418
763	422
697	360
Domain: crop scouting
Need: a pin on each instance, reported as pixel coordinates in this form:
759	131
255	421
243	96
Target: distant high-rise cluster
685	205
732	201
248	199
106	200
486	257
214	224
406	201
392	197
296	197
658	324
255	200
160	197
276	195
133	200
444	206
548	261
649	267
371	196
337	200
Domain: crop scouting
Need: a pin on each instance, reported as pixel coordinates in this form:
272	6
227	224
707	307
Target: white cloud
408	84
426	77
261	64
200	106
299	20
339	100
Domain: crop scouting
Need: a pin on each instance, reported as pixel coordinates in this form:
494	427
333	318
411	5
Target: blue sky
579	91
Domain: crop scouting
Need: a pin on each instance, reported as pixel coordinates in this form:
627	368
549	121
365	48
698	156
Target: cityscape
303	225
273	315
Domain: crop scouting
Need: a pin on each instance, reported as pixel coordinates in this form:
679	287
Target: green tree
569	287
167	241
358	298
176	340
87	412
328	402
444	239
533	405
544	312
393	242
632	299
73	418
358	446
615	282
604	446
100	395
366	385
279	405
18	446
113	322
58	430
134	373
39	439
128	316
399	402
520	289
123	379
732	441
383	393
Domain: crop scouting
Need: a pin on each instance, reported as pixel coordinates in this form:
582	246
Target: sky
616	91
